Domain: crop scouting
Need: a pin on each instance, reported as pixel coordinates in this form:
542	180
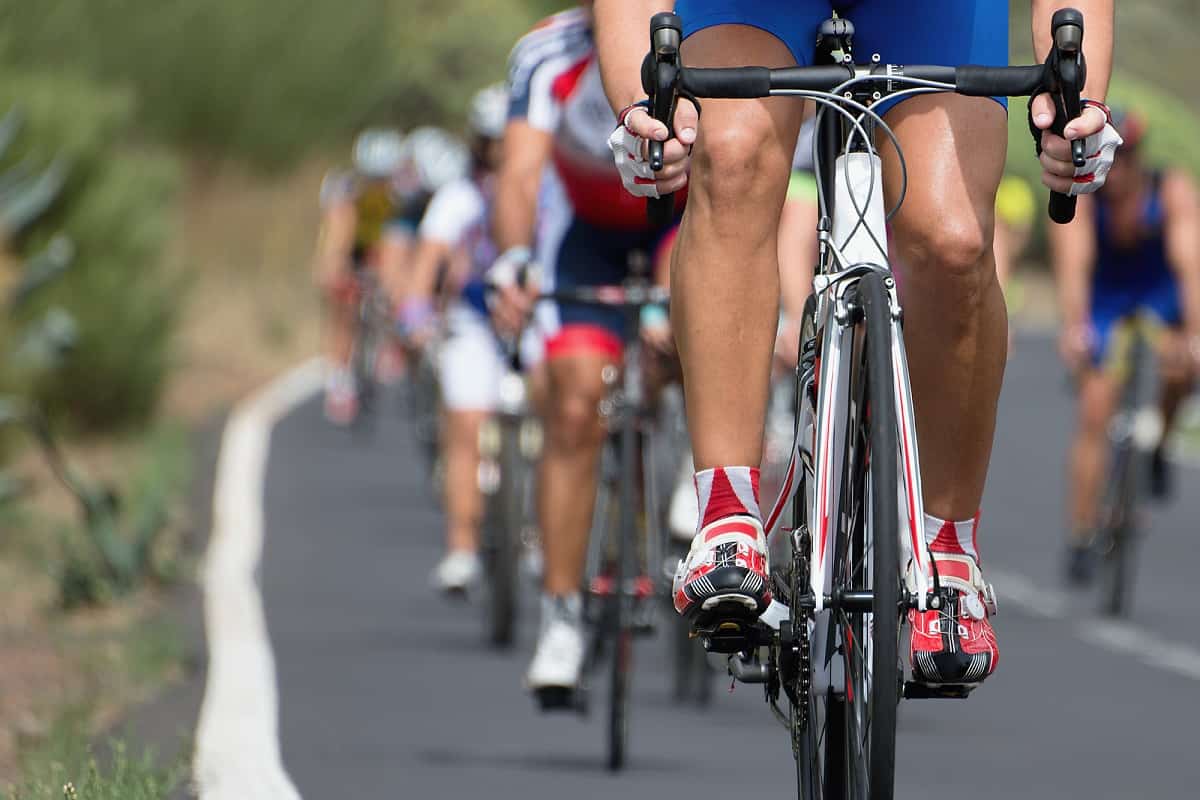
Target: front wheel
870	643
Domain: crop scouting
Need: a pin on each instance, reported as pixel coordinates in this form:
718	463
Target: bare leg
567	473
464	501
725	276
955	320
1098	395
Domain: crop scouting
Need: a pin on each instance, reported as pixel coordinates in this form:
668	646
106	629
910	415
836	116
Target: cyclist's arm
622	39
1073	255
526	152
1097	39
1182	231
335	243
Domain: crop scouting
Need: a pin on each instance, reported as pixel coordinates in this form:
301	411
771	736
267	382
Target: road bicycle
372	332
625	547
828	650
1133	433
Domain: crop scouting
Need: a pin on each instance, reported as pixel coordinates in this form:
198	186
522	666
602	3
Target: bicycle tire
363	360
505	521
1117	538
881	688
622	620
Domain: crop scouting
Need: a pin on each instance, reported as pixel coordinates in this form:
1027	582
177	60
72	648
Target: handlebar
1062	75
630	296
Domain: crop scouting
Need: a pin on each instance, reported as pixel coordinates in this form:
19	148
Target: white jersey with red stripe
554	85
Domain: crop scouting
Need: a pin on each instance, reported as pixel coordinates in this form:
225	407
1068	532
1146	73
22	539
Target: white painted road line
1143	645
237	739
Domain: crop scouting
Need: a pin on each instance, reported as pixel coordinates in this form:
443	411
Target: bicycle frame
842	262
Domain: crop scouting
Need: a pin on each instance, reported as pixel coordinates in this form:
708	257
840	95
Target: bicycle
618	589
1133	433
832	644
371	335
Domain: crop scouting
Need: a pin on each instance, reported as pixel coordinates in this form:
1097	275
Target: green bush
115	207
268	79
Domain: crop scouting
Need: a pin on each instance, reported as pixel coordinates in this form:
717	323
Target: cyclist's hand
513	286
630	147
416	322
510	306
1075	344
656	330
1100	146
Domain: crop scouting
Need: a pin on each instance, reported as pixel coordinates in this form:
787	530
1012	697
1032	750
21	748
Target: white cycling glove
1100	149
626	148
508	267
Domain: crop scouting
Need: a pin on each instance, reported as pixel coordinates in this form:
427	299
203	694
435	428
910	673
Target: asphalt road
387	691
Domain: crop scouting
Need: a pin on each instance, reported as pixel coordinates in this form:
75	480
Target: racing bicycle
827	651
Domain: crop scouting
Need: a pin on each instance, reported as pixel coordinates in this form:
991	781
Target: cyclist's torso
1132	254
457	216
555	86
379	206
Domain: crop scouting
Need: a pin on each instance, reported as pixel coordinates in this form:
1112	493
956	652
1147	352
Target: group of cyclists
549	190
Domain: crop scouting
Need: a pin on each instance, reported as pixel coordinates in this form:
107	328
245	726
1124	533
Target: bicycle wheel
503	537
624	570
1118	532
870	642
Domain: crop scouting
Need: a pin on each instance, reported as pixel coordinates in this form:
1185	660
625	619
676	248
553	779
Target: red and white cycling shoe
722	585
956	645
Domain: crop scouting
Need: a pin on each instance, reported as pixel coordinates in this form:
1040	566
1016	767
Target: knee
575	422
738	166
1093	417
954	255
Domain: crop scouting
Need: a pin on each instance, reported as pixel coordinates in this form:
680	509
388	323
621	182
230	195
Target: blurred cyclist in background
368	218
586	227
1133	247
454	230
358	228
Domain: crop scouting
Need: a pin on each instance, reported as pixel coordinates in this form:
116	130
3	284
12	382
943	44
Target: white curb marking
237	739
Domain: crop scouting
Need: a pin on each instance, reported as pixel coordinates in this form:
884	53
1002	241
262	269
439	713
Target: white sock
943	536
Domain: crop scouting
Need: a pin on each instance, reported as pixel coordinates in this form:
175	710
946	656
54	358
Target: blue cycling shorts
1112	303
942	32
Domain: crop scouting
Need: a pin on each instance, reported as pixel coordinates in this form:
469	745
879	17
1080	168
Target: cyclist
454	228
585	231
725	272
1134	247
359	211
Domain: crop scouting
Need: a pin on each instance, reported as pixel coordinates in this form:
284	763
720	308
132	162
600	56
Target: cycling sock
727	492
958	538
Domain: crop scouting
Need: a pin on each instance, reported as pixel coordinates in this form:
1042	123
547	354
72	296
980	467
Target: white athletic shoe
558	659
457	571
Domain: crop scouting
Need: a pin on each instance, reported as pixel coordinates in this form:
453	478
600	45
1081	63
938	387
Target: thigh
793	22
954	148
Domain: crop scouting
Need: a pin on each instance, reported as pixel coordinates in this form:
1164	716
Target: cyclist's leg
725	294
341	309
725	282
1178	376
955	320
587	342
469	373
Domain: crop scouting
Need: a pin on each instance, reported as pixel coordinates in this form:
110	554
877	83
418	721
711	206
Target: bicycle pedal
914	690
725	633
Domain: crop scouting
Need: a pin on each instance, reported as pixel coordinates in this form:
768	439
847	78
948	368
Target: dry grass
245	248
